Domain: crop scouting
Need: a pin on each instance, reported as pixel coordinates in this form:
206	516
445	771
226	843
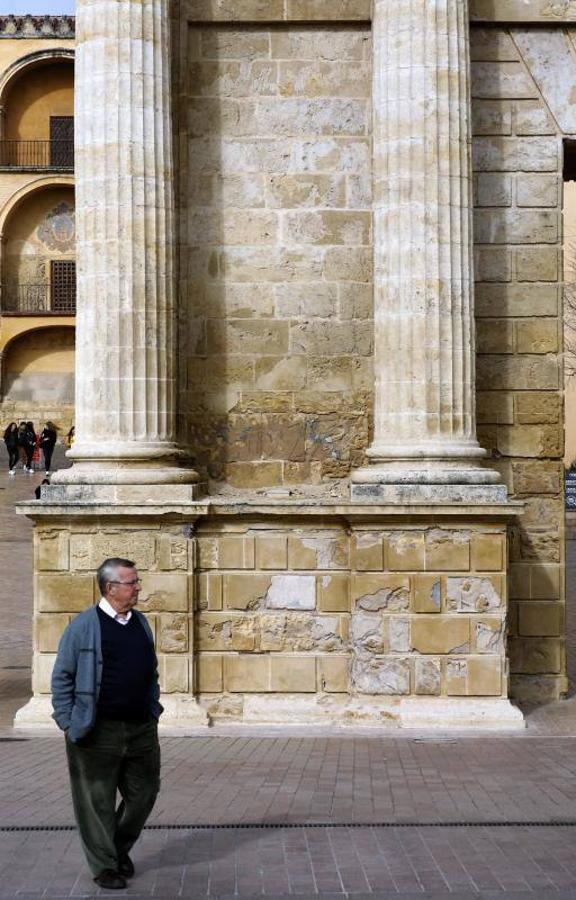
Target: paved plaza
329	813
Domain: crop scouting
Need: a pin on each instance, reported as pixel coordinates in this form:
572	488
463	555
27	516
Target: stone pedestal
425	428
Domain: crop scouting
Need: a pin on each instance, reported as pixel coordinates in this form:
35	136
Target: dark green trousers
115	757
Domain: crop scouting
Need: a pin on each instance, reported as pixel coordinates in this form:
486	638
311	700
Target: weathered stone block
491	117
210	591
329	338
484	677
399	634
427	677
491	44
405	552
535	656
64	593
334	674
52	550
165	592
536	477
301	632
447	551
473	594
174	674
334	592
494	189
427	594
172	552
545	582
221	631
87	551
291	592
494	408
492	264
538	190
495	336
537	264
246	590
236	552
336	10
293	674
516	226
367	632
348	264
532	118
511	154
381	676
254	475
284	437
381	593
488	635
173	633
497	300
517	373
368	551
540	619
275	373
487	552
440	634
502	80
271	551
529	440
537	408
322	43
541	336
318	550
48	630
209	673
247	674
42	672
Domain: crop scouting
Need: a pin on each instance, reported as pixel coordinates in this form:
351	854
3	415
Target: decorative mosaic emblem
58	230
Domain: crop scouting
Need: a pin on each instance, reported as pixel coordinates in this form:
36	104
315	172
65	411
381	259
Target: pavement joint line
280	826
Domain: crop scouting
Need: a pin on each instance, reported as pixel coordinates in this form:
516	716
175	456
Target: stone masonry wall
518	234
276	329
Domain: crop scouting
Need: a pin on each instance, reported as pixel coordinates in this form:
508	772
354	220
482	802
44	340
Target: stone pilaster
126	336
425	428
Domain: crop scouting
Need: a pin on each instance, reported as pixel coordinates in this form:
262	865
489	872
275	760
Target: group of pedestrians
24	444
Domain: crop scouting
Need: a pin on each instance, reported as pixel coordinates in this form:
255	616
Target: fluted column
425	429
126	335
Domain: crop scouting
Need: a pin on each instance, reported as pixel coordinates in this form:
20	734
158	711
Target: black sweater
128	668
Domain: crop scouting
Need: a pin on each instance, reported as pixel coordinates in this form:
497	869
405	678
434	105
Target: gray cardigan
77	675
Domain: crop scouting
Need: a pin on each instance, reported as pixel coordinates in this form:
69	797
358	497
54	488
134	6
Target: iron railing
37	154
39	299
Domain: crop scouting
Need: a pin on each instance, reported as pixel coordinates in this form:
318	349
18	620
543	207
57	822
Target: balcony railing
38	299
37	154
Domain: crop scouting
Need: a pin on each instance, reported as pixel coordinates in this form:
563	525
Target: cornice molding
37	26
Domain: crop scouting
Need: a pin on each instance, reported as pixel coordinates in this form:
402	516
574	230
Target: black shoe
111	880
125	865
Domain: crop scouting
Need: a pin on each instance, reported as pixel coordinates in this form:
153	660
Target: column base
410	494
429	481
36	714
459	713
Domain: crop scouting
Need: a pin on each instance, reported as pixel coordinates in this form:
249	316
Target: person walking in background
70	437
105	695
11	441
29	445
22	445
48	440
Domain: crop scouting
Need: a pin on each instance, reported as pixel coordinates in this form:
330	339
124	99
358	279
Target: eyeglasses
129	583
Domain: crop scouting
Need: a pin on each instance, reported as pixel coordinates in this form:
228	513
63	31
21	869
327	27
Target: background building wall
31	99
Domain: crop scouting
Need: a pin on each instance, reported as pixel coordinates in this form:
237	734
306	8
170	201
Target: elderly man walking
105	695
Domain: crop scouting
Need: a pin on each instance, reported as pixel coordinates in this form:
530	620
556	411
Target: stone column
425	428
126	235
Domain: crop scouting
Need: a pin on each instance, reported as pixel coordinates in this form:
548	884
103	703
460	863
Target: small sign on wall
570	484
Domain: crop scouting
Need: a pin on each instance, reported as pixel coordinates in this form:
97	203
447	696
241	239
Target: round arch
38	364
17	328
31	60
47	181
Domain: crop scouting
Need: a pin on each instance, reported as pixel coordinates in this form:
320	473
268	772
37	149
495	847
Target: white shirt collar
110	611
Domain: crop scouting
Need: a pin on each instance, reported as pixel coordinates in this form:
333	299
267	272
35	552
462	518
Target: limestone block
320	338
275	373
381	593
305	190
64	593
532	118
456	677
532	407
368	551
51	550
530	440
427	677
318	550
440	634
487	552
447	551
516	226
368	632
537	190
293	632
242	226
209	673
350	156
174	674
164	592
513	299
246	590
493	264
334	674
327	227
42	666
540	336
381	676
48	630
173	633
542	512
488	635
494	408
302	473
328	374
259	336
494	189
293	674
545	583
512	154
254	475
536	477
247	674
502	80
337	10
220	631
348	264
405	552
324	78
264	402
535	656
334	592
540	619
360	193
491	44
427	594
172	552
301	300
484	678
321	43
495	336
228	190
291	592
491	117
87	550
271	551
231	43
209	591
517	373
527	544
399	634
473	594
537	263
233	78
284	437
